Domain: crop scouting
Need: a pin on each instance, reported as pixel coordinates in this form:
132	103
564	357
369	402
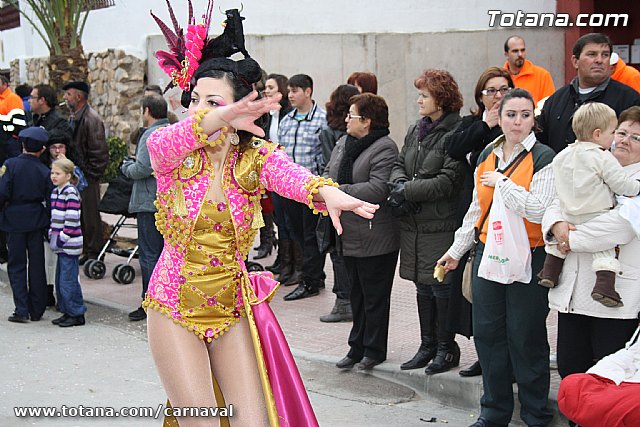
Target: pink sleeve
168	146
290	180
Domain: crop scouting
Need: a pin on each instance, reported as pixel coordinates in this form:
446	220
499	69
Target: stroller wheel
86	266
114	275
125	274
254	266
95	268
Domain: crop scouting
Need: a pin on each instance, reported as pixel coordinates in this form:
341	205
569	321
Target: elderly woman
473	134
587	330
336	128
426	183
509	327
361	163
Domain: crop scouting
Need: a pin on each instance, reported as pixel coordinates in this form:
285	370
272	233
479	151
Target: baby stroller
116	202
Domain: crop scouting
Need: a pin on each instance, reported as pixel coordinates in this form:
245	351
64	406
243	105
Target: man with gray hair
92	157
150	242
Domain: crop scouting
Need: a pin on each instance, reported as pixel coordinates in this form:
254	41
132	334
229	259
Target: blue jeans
150	244
68	289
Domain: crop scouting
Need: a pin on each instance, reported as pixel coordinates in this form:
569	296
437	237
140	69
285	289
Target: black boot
277	265
267	238
286	260
448	355
297	258
427	350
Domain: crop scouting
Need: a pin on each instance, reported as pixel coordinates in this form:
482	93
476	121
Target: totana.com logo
523	19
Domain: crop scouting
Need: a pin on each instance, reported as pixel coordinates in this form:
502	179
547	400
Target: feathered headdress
188	51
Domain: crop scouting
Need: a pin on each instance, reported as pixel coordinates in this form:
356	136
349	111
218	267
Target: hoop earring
234	139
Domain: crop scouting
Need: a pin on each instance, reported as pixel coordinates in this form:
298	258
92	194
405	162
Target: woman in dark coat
336	128
473	134
425	184
361	163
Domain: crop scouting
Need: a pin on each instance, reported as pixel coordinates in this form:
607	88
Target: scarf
426	125
353	147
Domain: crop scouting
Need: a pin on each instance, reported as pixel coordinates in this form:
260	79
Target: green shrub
117	152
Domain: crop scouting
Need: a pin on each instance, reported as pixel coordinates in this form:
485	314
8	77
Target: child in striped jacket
65	238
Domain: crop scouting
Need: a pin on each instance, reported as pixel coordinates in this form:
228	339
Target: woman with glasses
361	162
425	185
473	134
336	128
587	330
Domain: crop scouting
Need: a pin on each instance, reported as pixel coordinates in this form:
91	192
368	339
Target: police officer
25	189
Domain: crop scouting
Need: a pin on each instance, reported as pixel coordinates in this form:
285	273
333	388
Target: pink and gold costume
200	280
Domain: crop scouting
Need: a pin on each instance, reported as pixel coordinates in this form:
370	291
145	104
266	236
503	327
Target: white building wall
330	39
127	24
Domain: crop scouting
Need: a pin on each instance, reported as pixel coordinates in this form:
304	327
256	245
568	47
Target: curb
448	388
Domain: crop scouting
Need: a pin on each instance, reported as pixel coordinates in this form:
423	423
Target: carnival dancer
212	334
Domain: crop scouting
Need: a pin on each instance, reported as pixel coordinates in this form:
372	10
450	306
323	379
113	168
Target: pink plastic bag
507	256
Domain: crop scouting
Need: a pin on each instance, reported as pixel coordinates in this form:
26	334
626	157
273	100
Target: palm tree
61	26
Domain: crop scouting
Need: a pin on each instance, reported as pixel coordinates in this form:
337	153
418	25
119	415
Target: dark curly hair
442	87
372	107
338	106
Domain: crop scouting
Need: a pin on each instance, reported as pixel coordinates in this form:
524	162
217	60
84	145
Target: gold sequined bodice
210	299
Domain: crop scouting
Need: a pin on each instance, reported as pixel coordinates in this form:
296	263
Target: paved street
107	362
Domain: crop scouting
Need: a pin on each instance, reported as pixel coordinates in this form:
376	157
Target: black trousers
510	334
583	340
90	219
303	222
29	287
341	279
371	279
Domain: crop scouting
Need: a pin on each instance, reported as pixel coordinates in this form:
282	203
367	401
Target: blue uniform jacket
25	189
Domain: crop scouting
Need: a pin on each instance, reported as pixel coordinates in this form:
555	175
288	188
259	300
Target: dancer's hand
241	115
338	201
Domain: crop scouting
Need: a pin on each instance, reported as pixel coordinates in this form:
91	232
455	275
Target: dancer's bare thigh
182	360
233	361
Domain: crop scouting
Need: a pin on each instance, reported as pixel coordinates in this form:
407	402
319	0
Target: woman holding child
587	330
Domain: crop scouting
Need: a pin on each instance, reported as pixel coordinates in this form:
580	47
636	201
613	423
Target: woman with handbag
361	162
509	326
473	134
425	184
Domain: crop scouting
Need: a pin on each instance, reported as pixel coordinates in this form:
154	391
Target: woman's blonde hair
67	166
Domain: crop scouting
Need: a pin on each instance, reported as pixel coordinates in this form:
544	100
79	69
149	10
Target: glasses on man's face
354	116
621	135
33	97
492	92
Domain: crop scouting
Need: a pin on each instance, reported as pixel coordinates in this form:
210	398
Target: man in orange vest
624	73
524	73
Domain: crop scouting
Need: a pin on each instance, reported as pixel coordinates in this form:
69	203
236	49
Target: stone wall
117	84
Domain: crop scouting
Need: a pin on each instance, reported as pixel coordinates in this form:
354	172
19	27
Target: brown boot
605	290
550	273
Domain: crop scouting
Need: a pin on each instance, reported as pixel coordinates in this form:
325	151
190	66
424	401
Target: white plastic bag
507	256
